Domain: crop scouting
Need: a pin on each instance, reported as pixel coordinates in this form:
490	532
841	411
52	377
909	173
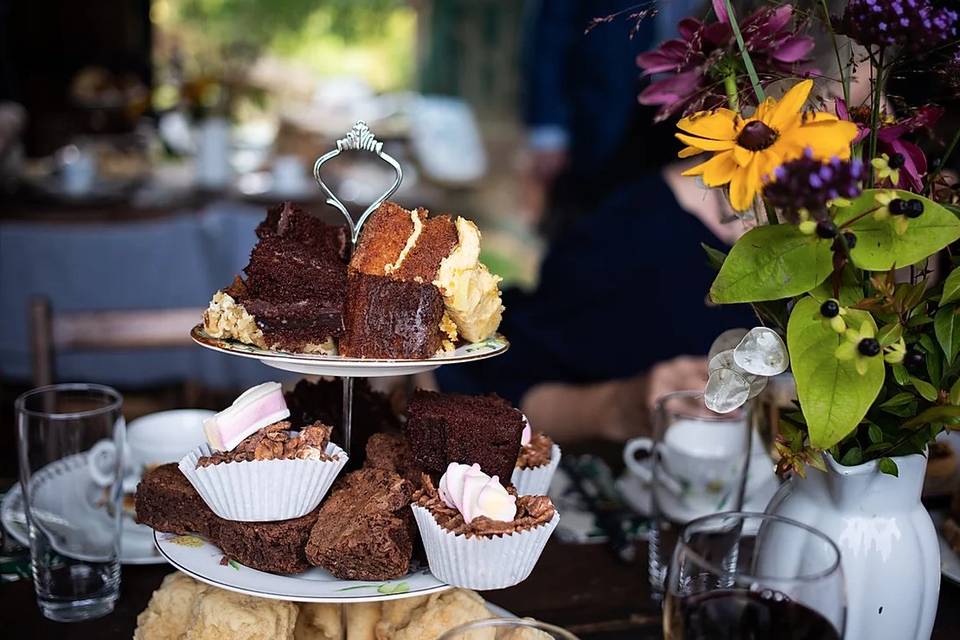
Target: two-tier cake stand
206	562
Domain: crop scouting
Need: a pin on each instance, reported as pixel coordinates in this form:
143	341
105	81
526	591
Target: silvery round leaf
762	353
726	391
726	341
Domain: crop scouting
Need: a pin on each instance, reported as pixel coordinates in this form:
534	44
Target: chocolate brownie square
448	427
275	547
166	501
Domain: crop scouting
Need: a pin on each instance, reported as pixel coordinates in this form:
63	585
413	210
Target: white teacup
700	461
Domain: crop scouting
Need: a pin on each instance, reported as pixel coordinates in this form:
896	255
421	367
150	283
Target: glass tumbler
70	441
507	629
757	576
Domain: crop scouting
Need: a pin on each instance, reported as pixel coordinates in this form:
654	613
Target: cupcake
255	472
538	459
478	534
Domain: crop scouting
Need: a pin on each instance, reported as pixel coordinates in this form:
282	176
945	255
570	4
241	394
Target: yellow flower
883	199
859	346
884	170
746	150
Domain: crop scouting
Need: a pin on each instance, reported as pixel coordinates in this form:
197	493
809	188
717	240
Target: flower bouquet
849	264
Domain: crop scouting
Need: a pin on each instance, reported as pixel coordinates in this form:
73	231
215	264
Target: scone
168	611
432	616
223	615
319	621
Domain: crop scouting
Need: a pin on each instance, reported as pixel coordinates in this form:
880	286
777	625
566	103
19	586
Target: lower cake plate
334	365
201	560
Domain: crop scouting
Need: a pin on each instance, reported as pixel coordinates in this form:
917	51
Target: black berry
915	361
826	229
914	208
898	207
851	239
830	309
896	161
869	347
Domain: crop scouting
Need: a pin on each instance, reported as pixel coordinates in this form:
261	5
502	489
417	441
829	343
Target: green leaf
954	395
770	263
898	400
833	396
900	375
880	247
393	588
924	388
889	334
852	457
946	324
933	415
888	466
875	433
951	288
851	292
715	257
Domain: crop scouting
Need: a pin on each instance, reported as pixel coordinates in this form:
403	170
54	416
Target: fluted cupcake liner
262	490
480	562
535	481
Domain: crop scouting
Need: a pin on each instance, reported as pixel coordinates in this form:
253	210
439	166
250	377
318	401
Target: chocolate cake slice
389	318
449	427
167	502
293	295
364	529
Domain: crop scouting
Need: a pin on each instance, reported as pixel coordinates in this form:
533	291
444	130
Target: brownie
167	502
322	401
391	451
449	427
365	528
389	318
288	220
274	547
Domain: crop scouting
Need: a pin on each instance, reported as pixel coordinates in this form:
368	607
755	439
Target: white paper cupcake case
536	481
262	490
481	563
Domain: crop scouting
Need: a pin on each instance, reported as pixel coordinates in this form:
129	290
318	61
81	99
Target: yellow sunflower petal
767	161
788	108
742	155
716	125
825	139
688	152
719	169
705	143
743	186
819	116
765	109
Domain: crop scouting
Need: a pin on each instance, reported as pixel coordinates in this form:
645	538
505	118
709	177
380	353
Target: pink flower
890	140
705	52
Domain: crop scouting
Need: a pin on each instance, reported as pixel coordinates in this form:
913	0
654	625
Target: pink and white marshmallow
254	409
473	493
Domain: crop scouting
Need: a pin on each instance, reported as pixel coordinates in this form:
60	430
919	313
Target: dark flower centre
896	161
756	136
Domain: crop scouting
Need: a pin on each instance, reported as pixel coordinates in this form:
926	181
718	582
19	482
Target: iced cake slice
293	294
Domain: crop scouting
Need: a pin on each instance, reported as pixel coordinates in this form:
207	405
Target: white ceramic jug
888	544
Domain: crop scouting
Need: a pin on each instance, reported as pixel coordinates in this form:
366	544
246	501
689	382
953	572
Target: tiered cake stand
206	562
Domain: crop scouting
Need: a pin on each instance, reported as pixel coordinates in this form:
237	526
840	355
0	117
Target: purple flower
698	59
806	183
916	25
890	140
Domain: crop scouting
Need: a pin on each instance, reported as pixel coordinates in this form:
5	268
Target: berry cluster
808	184
916	25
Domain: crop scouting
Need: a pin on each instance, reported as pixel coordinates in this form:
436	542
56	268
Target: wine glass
750	575
507	629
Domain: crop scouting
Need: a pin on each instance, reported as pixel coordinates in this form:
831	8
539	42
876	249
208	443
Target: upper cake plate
198	558
325	365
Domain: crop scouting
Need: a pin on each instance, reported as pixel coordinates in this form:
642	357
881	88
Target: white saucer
201	560
136	542
326	365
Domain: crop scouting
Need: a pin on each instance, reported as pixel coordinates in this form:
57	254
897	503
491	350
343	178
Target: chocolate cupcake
538	460
478	534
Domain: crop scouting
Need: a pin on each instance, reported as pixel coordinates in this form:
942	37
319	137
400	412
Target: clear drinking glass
757	576
696	465
70	439
507	629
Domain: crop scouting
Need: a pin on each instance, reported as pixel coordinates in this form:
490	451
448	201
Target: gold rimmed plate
334	365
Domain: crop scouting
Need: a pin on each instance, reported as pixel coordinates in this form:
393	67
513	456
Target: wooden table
580	587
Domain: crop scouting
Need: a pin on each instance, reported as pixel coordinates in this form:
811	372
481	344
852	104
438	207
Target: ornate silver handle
359	138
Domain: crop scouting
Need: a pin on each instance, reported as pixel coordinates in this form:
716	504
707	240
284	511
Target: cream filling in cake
411	243
225	318
470	292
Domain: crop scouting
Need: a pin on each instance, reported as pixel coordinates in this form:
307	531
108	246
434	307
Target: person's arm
616	410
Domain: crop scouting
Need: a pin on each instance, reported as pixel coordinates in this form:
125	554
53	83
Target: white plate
949	560
201	560
325	365
136	541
